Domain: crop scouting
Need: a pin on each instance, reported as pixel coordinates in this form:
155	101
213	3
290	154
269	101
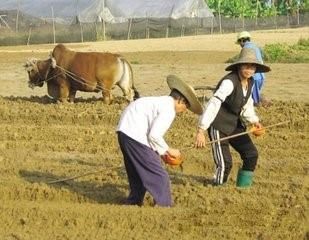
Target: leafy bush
284	53
297	53
275	52
303	42
251	9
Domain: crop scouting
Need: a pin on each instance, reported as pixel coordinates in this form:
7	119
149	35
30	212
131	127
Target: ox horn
31	62
53	60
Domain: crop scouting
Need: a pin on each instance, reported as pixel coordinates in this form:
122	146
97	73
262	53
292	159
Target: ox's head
37	71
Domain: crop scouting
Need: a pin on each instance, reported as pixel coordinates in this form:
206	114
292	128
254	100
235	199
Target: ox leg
128	92
63	94
53	90
125	83
107	90
107	96
72	96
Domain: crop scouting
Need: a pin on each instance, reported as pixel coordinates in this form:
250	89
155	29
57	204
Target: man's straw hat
242	35
247	55
187	91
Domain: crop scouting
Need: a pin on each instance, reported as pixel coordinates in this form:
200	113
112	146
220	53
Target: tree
257	8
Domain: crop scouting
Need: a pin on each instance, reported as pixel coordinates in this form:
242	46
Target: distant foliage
283	53
276	52
257	8
303	43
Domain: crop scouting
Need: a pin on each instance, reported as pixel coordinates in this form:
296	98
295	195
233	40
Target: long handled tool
240	134
81	175
210	142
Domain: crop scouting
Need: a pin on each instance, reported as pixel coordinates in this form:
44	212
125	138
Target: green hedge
284	53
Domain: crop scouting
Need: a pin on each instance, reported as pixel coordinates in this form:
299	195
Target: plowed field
41	142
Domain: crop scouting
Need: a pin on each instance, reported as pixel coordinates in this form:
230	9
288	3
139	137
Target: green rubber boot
244	178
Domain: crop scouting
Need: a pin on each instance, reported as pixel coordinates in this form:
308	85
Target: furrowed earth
42	142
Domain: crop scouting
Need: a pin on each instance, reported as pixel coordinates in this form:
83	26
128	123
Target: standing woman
226	113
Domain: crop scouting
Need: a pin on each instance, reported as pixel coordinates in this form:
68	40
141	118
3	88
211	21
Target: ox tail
136	93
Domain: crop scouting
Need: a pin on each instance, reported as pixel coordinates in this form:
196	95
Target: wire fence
34	31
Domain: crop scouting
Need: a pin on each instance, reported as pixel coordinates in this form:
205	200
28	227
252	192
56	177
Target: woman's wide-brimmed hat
247	55
187	91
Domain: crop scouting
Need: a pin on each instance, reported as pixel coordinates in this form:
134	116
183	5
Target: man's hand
200	140
174	152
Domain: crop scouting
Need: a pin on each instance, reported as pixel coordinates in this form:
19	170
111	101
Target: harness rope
79	79
46	80
73	76
76	78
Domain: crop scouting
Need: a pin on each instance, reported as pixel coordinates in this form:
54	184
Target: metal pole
298	18
78	19
182	32
129	28
219	9
168	25
17	16
29	36
54	31
257	13
147	29
212	25
103	21
243	15
81	31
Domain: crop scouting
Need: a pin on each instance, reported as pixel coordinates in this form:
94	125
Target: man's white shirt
147	119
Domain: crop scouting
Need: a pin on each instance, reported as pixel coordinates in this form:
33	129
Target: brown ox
67	72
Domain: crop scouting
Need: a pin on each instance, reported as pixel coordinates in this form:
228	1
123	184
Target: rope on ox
48	79
73	76
80	79
33	62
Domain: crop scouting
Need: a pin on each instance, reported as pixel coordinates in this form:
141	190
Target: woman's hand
200	140
257	125
257	129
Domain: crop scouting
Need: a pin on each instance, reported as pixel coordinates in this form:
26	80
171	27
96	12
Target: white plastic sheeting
112	11
63	9
117	11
